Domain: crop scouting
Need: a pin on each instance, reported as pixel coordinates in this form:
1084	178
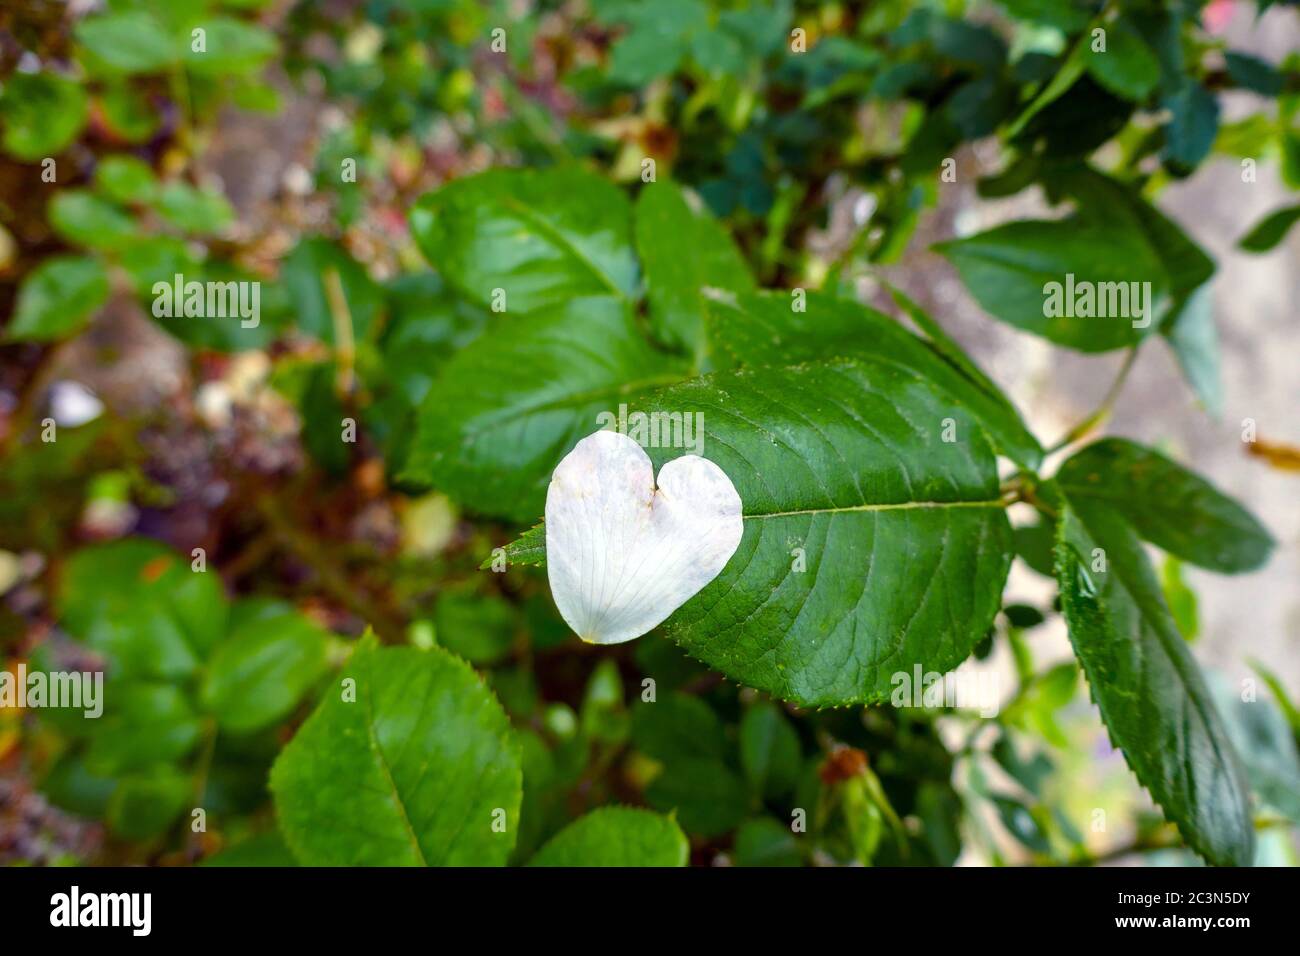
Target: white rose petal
622	554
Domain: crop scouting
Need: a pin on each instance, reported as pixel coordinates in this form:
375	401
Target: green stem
1103	410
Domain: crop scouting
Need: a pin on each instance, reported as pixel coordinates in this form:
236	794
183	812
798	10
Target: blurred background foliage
815	131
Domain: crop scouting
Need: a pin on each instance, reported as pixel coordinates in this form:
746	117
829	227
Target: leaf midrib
893	506
554	234
382	762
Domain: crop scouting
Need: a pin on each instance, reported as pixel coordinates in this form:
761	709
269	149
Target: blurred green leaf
130	41
126	179
769	750
1270	230
707	797
42	112
58	298
616	836
138	603
677	726
263	669
87	220
763	841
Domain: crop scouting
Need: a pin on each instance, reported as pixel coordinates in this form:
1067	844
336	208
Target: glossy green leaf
542	236
842	460
414	771
764	329
616	836
676	726
683	250
263	669
1189	325
507	408
904	543
58	298
1151	694
1167	505
706	796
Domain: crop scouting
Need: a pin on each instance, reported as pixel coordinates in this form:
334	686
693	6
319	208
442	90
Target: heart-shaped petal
622	554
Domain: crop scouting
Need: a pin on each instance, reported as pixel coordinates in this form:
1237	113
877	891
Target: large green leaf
1151	694
508	407
683	250
1168	505
543	236
905	544
764	329
416	770
616	836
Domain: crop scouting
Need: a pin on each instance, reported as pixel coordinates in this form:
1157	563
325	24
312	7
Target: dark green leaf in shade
1270	230
1152	696
1168	505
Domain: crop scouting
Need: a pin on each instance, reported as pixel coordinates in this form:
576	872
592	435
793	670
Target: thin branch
1103	410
